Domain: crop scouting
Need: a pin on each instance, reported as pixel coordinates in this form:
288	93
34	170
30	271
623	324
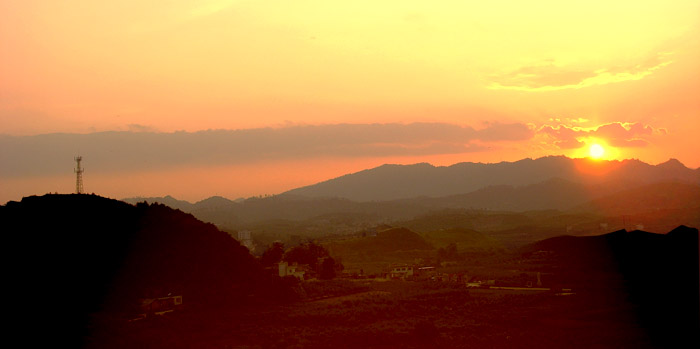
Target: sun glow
596	151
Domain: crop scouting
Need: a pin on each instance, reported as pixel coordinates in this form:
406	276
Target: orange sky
622	73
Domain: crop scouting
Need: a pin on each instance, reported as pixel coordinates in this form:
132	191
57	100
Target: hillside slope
74	257
657	272
648	198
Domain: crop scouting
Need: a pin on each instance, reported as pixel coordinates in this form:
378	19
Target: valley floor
388	314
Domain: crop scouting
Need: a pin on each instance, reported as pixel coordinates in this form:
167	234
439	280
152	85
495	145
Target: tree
448	253
308	254
327	269
273	254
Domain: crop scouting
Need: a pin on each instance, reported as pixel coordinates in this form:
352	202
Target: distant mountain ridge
167	200
182	205
649	198
577	186
392	182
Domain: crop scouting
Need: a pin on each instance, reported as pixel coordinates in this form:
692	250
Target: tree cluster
315	256
448	253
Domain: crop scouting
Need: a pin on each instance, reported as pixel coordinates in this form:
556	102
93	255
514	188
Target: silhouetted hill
374	253
475	220
182	205
74	257
466	240
386	241
552	194
509	229
213	203
254	211
390	182
659	273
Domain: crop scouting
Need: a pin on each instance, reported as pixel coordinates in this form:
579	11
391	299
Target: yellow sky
81	66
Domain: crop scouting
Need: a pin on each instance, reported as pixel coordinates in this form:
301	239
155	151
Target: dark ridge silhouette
390	182
228	213
658	273
182	205
402	239
463	239
669	204
213	202
76	259
554	193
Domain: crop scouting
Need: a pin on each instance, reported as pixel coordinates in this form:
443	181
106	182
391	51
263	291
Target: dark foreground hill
656	272
73	258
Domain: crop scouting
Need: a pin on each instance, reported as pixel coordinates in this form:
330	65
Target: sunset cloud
142	149
618	134
324	88
550	77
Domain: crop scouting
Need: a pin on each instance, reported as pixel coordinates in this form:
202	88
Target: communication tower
78	176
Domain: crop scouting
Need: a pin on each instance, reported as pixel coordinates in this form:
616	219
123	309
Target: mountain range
391	182
391	193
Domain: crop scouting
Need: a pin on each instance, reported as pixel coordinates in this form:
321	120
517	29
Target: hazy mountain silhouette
554	193
182	205
464	239
212	202
228	213
588	195
74	257
648	198
386	241
659	206
605	199
390	182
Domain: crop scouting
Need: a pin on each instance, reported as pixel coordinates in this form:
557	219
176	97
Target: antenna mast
78	176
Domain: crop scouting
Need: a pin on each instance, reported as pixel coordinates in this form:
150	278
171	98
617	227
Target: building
284	269
401	272
245	237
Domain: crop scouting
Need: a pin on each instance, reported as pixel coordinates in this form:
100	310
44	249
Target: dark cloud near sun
141	149
617	134
500	132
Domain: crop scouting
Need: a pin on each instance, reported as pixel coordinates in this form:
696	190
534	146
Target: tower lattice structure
79	176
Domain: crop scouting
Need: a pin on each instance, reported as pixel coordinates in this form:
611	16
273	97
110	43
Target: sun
596	151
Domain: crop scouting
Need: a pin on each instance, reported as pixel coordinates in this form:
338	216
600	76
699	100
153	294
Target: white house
401	272
291	270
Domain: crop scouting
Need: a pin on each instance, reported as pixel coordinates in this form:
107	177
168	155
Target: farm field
385	314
